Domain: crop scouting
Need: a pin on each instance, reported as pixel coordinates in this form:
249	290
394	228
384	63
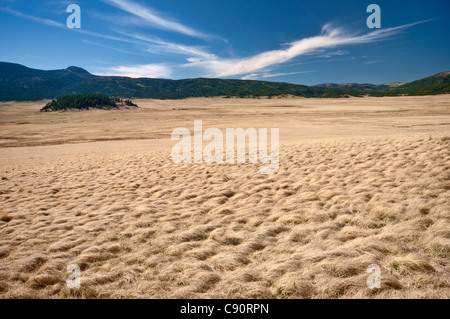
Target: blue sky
297	41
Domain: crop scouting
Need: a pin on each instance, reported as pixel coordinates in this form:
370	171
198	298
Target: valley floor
361	182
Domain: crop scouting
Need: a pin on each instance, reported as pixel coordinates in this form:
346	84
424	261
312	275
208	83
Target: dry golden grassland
361	182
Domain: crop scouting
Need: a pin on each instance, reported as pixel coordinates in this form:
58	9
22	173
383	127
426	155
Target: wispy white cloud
140	71
110	47
177	48
331	54
372	62
251	76
162	46
155	19
33	18
330	38
64	26
105	36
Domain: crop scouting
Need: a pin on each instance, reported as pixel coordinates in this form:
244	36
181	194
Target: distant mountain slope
359	87
20	83
171	89
436	84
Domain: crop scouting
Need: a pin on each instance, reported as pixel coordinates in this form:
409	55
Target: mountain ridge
360	86
20	83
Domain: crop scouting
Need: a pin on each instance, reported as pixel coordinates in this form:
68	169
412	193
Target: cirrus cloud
153	18
329	38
